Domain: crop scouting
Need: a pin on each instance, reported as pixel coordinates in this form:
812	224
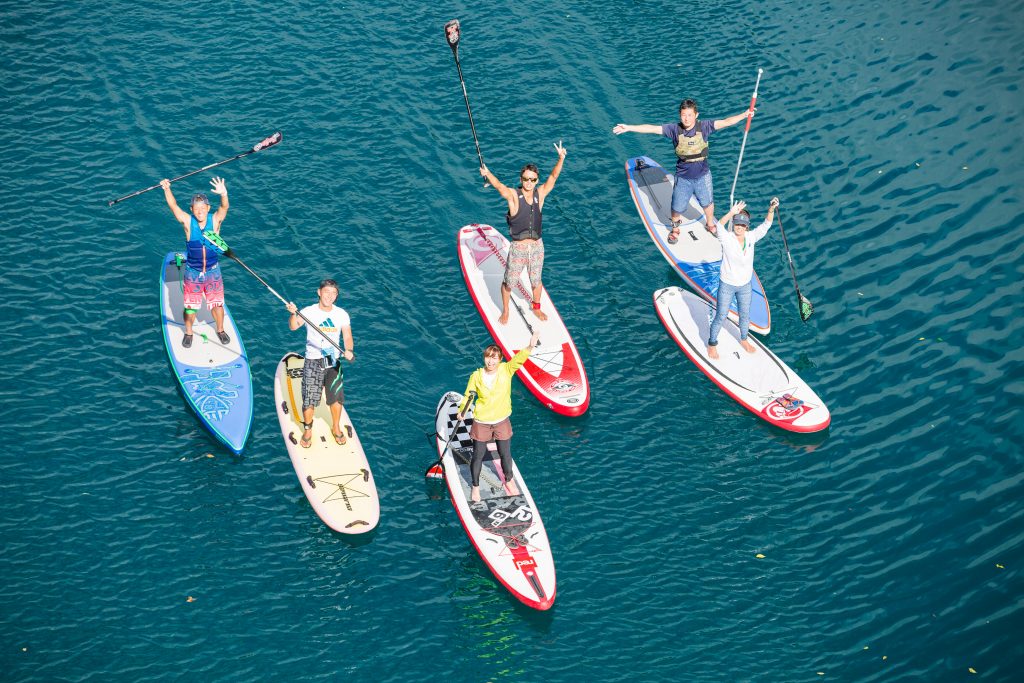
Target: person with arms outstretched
321	369
525	204
737	270
693	175
492	385
202	269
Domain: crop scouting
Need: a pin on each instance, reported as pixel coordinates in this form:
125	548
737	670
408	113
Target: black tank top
525	225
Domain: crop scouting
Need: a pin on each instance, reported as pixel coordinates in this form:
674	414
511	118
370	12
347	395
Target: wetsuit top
525	225
199	256
691	147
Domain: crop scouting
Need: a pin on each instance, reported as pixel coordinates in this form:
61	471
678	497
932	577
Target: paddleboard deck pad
758	381
697	256
335	478
554	372
214	377
506	530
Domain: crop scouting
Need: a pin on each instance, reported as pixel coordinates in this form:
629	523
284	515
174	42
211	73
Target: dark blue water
892	545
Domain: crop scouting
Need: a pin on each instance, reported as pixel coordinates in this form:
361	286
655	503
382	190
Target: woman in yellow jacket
492	385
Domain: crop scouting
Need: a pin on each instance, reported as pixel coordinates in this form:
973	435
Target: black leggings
480	448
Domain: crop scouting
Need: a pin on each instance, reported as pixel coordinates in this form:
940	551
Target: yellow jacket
494	404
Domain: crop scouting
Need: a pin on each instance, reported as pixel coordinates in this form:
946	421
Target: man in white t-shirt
322	367
737	270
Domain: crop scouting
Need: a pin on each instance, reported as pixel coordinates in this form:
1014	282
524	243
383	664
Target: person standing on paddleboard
693	175
202	269
492	385
322	369
737	270
525	204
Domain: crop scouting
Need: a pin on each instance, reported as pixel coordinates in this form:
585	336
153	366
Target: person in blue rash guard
202	269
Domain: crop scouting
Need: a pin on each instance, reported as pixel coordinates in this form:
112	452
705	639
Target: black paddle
231	255
263	144
436	471
453	34
806	307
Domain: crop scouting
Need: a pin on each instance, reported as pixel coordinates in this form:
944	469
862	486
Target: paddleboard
758	381
697	256
506	530
554	372
335	478
214	377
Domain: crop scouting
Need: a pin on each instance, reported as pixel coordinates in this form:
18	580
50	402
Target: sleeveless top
198	255
525	225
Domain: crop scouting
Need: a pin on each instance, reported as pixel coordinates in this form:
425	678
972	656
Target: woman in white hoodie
737	270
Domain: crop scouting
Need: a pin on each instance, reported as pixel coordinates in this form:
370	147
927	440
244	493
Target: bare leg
336	420
218	317
189	319
307	418
713	351
747	346
505	294
474	494
541	315
709	214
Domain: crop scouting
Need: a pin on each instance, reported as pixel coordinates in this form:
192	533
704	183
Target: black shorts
317	379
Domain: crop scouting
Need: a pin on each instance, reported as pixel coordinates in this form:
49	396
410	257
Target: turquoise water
893	544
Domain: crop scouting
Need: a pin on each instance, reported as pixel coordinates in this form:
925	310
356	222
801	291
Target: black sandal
224	338
186	341
304	441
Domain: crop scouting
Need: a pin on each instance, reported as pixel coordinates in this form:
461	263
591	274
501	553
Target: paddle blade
453	33
215	242
267	142
806	308
436	471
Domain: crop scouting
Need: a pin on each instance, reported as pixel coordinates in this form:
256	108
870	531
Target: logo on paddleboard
563	385
786	408
213	396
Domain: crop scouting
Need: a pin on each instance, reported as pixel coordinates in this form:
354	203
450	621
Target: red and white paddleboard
758	381
506	530
554	372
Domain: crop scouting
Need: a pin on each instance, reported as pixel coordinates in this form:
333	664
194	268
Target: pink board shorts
197	284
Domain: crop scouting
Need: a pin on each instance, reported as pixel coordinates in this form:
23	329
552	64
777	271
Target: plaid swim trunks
196	284
524	254
319	374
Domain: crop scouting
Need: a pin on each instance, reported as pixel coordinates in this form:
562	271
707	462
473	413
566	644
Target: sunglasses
528	180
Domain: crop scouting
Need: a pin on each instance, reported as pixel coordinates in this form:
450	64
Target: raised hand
218	186
774	203
560	150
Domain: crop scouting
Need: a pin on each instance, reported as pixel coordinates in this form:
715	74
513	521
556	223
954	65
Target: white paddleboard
506	531
758	381
336	479
697	255
554	372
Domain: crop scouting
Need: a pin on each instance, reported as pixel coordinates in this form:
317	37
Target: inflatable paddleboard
214	377
697	256
758	381
506	530
554	372
336	479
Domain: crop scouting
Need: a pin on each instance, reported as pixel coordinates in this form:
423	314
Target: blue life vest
198	256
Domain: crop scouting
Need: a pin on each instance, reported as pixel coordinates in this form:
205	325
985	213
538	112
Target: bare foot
504	317
474	494
511	487
713	352
747	346
541	315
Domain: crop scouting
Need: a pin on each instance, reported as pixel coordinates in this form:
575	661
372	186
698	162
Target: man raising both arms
693	176
524	226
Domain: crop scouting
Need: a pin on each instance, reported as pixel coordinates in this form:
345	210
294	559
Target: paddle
436	471
222	247
453	34
261	145
753	100
806	307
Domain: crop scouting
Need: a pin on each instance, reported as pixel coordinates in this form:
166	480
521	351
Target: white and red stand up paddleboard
554	372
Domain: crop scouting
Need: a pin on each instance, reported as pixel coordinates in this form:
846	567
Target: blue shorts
688	187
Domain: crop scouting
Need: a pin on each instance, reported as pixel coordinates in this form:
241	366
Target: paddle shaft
461	417
231	255
743	145
792	268
267	142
